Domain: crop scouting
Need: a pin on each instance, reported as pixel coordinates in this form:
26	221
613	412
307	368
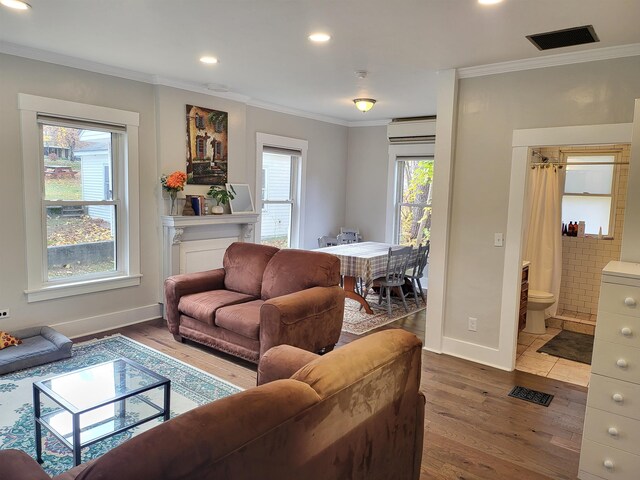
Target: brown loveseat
353	414
263	297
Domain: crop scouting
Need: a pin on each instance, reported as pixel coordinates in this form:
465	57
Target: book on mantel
197	202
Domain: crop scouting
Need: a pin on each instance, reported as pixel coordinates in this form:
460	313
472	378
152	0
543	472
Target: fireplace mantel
196	243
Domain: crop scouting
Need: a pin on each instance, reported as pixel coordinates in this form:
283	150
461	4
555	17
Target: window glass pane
593	210
277	176
80	240
275	227
412	219
417	176
596	179
77	164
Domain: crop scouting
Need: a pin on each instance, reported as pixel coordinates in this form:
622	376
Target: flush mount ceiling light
489	2
319	37
207	60
16	4
364	104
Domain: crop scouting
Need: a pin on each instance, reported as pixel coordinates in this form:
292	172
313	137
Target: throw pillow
7	340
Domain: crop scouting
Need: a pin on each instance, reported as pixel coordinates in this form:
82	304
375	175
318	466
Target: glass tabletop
95	385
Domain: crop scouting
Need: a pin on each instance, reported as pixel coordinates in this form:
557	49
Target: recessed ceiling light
319	37
488	2
16	4
209	60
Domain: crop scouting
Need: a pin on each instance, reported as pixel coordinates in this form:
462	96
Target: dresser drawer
616	328
595	457
614	396
615	360
622	299
613	430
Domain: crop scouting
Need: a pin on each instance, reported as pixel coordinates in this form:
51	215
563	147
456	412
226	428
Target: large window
80	179
280	183
412	218
589	190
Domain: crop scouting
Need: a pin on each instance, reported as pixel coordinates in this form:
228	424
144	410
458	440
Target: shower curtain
543	231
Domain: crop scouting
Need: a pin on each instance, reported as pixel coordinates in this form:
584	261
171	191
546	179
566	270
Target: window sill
51	292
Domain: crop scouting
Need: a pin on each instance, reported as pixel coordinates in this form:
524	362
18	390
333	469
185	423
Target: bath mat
570	345
533	396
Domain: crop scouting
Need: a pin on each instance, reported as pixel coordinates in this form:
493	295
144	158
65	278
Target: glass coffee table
86	406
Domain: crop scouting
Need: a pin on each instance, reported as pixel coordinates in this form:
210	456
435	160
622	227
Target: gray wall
489	109
162	135
367	168
20	75
326	166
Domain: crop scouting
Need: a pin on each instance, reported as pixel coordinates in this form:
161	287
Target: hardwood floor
473	430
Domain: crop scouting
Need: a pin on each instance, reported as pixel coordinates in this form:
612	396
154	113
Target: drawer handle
622	363
613	431
630	302
618	398
626	331
608	464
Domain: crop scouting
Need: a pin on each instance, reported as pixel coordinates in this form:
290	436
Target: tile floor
529	360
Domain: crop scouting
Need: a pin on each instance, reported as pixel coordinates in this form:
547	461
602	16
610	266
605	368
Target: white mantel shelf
181	221
196	243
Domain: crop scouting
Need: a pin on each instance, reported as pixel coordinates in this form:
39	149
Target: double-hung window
280	172
81	189
414	177
589	190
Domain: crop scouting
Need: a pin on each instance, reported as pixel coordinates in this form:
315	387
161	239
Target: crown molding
370	123
197	88
297	113
582	56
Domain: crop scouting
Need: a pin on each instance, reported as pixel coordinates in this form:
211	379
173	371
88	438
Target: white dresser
611	436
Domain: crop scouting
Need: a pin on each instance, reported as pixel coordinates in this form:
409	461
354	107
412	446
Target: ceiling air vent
564	38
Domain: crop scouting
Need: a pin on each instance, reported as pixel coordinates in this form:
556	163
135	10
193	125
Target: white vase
217	210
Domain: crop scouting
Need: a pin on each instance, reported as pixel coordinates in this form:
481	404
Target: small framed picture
242	201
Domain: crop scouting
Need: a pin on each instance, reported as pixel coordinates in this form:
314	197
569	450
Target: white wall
367	168
631	233
326	166
91	311
489	109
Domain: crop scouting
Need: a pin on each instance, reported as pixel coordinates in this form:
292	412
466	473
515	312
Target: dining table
362	260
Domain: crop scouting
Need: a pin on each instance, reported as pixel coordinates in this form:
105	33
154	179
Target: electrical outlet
4	313
473	324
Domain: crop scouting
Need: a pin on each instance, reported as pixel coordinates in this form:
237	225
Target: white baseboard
109	321
474	352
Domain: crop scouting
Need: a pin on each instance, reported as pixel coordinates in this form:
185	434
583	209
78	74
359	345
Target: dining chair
416	272
327	241
397	263
352	231
347	238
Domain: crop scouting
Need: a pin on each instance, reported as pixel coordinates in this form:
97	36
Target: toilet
537	302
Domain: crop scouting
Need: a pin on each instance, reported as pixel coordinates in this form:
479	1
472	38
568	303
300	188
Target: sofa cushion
244	265
243	319
203	306
294	270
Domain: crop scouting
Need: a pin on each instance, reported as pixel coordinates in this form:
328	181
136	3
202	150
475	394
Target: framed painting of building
207	144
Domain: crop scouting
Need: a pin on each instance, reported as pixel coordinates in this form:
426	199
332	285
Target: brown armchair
263	297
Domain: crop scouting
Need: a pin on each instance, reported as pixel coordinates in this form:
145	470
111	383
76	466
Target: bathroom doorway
524	141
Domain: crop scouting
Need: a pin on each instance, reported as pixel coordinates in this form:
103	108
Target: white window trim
297	217
37	289
426	150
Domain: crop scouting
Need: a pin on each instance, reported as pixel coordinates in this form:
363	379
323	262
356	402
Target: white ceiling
264	53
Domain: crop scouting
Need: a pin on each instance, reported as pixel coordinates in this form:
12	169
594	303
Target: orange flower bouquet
173	184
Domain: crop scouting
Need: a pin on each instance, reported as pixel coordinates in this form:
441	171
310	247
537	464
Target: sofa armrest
281	362
17	465
310	319
178	285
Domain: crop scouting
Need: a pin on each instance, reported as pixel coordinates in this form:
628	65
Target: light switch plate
498	239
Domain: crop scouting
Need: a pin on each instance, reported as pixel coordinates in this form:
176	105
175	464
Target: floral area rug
358	322
190	388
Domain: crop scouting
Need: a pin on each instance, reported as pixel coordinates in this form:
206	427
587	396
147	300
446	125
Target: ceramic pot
217	210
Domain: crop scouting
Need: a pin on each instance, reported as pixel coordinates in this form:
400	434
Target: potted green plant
221	196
